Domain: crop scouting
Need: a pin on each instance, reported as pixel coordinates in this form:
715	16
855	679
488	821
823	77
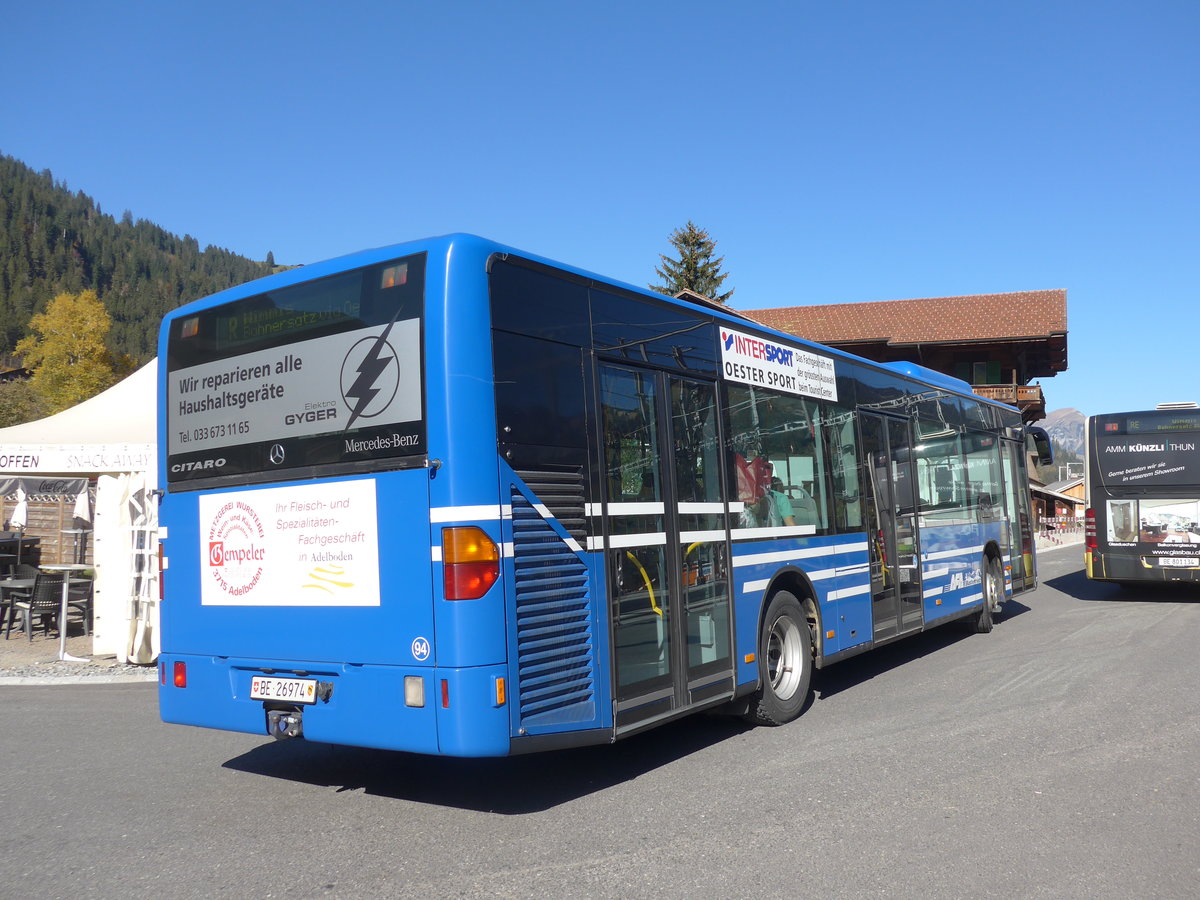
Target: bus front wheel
785	663
993	595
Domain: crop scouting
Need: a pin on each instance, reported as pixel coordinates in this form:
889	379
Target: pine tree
20	402
695	269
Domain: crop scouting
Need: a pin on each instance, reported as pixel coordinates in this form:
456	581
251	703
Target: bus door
1018	519
891	523
667	555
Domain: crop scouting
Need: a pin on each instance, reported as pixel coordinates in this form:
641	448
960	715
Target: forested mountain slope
53	240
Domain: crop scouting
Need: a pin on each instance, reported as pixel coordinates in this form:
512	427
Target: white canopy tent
113	438
115	431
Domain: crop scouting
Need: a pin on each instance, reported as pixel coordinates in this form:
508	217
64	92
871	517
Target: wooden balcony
1028	398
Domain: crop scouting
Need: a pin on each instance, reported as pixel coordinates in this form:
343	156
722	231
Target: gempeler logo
236	548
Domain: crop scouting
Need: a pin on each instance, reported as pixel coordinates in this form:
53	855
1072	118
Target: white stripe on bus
593	510
635	509
464	513
843	593
691	537
758	584
779	531
776	556
947	554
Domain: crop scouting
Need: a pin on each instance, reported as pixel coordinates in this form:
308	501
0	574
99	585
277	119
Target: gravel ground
37	660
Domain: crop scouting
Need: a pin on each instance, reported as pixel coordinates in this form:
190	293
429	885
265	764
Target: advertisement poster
301	545
361	387
1171	524
754	361
1148	460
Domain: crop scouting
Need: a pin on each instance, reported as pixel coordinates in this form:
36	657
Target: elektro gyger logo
236	548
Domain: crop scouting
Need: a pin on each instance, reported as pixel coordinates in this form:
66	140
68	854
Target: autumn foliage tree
68	353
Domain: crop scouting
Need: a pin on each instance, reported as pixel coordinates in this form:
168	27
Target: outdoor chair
79	600
9	594
44	600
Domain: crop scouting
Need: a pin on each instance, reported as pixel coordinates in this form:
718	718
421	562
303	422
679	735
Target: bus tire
785	663
993	596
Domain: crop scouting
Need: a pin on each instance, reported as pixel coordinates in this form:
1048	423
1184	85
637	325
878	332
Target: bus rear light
414	690
445	694
500	691
180	674
1089	529
470	562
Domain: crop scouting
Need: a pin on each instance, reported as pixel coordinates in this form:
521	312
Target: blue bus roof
485	246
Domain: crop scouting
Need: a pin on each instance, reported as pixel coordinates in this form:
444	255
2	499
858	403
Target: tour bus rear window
1153	422
372	295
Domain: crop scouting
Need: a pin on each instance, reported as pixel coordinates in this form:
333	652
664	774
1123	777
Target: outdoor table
66	569
76	534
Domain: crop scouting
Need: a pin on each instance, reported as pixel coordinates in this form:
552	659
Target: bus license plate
1179	562
289	690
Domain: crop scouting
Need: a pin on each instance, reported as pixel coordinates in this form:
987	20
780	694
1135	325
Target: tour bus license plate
287	690
1181	562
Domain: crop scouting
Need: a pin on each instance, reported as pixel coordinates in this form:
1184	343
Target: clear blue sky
837	151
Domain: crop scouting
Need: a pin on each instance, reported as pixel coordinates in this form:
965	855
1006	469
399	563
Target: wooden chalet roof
1021	315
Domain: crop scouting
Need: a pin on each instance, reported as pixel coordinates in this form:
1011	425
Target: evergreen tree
20	402
695	269
55	241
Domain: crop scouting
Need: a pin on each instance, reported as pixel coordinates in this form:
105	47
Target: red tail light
470	562
1089	529
180	671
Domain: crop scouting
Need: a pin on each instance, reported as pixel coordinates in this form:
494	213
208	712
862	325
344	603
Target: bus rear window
323	373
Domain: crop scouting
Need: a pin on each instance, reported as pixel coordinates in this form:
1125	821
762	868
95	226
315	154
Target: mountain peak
1066	429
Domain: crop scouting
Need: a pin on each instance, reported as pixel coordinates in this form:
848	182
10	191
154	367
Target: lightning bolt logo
364	389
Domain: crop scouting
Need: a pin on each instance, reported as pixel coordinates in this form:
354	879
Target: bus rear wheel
785	663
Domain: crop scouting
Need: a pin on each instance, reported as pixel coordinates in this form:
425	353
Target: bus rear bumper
1127	568
460	711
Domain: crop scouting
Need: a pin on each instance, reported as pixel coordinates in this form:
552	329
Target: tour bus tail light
470	561
1089	529
179	673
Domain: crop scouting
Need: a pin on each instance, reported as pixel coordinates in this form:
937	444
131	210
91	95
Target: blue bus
452	498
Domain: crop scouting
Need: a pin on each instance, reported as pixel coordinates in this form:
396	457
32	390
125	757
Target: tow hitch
283	724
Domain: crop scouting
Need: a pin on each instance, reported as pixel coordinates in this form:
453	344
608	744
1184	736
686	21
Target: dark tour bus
1143	495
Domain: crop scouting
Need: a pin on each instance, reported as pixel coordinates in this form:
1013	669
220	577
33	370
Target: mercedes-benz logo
277	453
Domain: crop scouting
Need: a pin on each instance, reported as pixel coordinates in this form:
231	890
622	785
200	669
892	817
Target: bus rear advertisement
1143	495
